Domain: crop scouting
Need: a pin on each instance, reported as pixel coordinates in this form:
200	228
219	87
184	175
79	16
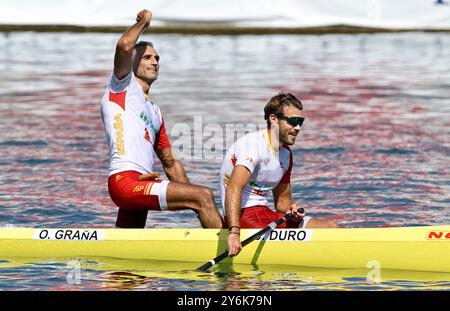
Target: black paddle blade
205	267
212	262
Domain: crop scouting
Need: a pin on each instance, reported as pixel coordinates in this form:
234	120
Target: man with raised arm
259	163
135	131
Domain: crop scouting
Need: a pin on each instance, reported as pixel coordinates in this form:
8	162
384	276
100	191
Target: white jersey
134	126
268	168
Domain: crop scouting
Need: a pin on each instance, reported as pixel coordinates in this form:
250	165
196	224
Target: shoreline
208	29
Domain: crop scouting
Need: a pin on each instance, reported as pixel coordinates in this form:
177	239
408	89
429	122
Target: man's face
146	63
288	133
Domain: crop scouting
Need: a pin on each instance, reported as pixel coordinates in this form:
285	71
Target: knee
331	224
205	198
315	223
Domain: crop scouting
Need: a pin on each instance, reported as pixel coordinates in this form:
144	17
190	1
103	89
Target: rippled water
374	150
113	274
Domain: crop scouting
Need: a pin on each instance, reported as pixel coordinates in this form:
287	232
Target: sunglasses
292	121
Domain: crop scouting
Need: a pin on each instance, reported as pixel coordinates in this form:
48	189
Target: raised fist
144	15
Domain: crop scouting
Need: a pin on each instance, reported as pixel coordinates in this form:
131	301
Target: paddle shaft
248	240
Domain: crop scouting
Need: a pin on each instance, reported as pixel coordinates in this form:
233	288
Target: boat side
408	248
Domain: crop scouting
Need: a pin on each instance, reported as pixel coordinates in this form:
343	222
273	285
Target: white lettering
197	301
374	275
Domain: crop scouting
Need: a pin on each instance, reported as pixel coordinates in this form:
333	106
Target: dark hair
145	43
276	104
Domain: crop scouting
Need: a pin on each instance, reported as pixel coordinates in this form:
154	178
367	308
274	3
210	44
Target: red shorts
134	197
260	216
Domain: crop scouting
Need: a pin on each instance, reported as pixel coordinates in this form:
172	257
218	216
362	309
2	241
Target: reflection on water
373	151
110	274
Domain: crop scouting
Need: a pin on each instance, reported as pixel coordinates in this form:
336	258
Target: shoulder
248	141
253	137
249	147
116	85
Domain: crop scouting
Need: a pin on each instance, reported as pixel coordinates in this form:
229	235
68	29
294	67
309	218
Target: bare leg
131	219
316	223
197	198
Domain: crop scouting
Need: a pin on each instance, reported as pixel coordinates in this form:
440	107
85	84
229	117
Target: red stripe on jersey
233	159
162	140
287	176
118	98
146	136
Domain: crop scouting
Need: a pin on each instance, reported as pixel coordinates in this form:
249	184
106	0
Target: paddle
255	236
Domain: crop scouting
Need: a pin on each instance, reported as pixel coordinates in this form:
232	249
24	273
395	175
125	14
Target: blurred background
265	14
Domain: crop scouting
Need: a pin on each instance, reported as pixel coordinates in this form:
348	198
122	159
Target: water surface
374	150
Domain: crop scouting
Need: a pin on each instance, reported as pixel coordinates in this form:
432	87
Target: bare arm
233	200
282	197
125	48
172	167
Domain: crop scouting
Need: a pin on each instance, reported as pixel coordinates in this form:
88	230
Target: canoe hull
404	248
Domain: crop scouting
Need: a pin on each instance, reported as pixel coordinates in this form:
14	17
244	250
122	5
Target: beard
288	138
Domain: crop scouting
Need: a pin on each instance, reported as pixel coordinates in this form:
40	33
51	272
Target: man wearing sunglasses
259	163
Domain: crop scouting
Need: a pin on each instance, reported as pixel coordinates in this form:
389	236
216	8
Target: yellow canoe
400	248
